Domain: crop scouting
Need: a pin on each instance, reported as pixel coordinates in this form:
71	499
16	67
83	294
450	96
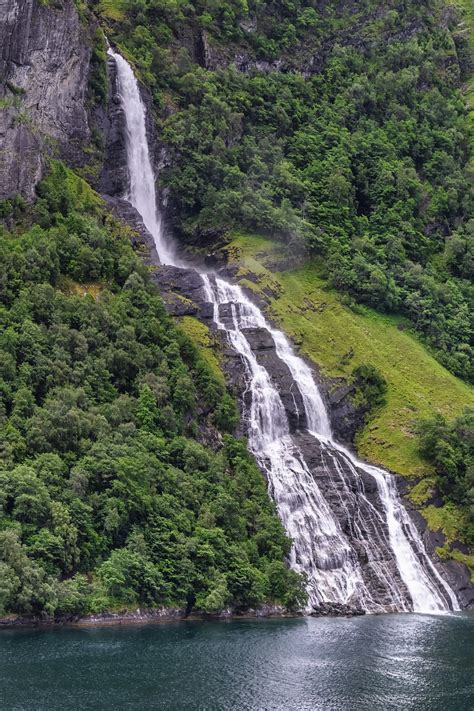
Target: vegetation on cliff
450	448
339	132
339	129
108	494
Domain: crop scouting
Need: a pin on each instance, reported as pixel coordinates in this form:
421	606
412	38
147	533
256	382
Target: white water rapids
375	558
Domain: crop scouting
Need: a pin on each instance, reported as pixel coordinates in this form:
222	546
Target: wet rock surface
263	346
336	609
346	418
455	572
354	500
458	577
114	178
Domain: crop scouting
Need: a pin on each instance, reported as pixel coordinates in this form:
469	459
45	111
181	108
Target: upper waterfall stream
352	536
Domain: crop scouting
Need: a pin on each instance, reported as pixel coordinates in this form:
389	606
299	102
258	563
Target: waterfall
352	537
141	193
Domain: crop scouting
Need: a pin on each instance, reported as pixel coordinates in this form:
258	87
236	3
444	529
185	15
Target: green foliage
226	415
12	208
354	145
106	497
98	83
450	448
371	387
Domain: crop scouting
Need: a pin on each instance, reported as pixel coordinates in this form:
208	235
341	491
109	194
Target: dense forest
109	495
339	129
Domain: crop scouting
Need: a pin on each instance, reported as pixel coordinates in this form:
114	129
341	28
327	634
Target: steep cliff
44	69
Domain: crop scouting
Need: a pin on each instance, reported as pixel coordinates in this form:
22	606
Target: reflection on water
389	662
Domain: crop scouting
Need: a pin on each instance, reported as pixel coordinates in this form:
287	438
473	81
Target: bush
371	387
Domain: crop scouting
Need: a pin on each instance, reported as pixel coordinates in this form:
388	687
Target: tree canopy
109	495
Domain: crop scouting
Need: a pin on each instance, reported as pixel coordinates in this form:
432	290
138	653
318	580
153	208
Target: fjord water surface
375	560
373	663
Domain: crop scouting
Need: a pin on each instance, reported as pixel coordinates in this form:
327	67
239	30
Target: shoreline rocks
336	609
144	616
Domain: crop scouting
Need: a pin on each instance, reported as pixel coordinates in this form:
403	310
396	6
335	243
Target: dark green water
388	662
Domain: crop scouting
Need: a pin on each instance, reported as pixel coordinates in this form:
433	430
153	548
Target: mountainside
319	152
118	482
338	129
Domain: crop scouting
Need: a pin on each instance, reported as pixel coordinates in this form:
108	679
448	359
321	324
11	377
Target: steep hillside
324	148
338	129
337	337
119	481
339	132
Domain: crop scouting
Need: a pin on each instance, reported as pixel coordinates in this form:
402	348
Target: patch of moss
422	491
448	519
202	337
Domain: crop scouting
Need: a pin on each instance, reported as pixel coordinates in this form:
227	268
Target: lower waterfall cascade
352	536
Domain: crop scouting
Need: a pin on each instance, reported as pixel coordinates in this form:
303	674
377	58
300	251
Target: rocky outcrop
335	609
142	615
141	237
44	68
458	577
263	347
181	290
114	177
346	417
455	572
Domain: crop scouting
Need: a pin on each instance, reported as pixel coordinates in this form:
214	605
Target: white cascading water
142	194
397	574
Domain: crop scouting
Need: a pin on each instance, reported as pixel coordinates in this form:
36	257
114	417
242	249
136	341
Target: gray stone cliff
44	68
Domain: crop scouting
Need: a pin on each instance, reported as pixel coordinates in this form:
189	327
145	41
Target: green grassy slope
338	339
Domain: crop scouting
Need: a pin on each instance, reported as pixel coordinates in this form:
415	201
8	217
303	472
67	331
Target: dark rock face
454	572
186	282
458	577
114	178
346	418
355	502
263	347
336	609
181	290
44	69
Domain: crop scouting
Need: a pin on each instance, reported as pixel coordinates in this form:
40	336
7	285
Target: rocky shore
144	616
